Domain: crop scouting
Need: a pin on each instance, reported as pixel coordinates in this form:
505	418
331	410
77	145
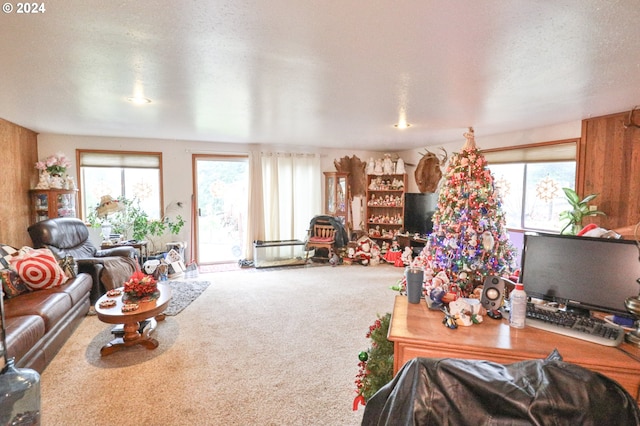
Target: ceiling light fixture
139	100
402	119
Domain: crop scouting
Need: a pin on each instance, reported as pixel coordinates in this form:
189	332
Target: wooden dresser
417	331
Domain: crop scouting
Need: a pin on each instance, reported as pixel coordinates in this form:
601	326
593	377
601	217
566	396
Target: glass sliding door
221	195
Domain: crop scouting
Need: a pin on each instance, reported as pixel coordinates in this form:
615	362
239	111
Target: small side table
141	246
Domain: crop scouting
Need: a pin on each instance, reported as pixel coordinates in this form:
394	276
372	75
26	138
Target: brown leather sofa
38	323
66	236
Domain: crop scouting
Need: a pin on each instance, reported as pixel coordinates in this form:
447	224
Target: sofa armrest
94	268
123	251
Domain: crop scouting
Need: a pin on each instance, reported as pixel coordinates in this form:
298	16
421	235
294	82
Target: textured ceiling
321	73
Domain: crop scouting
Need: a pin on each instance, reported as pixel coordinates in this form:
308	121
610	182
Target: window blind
565	151
120	159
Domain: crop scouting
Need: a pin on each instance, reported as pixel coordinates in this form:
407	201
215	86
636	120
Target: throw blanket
116	271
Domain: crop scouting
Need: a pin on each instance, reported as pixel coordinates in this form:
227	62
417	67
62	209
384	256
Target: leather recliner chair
66	236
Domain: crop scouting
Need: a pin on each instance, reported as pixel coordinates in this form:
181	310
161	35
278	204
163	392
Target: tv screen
418	211
581	272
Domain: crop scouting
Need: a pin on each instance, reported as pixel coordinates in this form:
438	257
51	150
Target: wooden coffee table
147	311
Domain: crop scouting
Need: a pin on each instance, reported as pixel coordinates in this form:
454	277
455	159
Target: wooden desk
417	331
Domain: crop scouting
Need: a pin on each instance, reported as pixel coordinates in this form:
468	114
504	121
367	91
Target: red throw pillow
38	269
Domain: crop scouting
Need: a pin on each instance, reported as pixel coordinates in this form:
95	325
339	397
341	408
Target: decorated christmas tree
469	239
376	364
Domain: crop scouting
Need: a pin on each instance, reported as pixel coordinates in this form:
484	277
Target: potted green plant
579	210
134	223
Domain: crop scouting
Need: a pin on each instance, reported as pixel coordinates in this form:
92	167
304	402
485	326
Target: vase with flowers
55	166
140	287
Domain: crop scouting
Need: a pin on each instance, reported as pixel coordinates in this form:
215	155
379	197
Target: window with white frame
133	175
530	179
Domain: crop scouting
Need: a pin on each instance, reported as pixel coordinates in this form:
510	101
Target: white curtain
291	188
255	224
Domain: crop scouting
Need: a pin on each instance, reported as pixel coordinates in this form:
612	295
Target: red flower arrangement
140	285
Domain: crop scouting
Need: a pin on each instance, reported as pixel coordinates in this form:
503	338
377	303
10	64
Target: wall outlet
593	208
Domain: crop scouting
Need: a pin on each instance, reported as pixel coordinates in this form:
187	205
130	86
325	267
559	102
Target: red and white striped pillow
38	268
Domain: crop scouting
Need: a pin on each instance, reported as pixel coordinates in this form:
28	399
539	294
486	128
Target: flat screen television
418	211
582	273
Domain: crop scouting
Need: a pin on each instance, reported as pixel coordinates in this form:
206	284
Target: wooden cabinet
337	197
50	203
385	205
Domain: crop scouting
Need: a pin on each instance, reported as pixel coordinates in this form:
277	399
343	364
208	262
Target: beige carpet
258	347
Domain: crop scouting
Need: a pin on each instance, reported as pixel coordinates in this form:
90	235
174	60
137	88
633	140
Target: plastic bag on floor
191	270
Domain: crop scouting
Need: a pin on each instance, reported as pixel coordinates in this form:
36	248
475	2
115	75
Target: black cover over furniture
429	391
341	237
68	236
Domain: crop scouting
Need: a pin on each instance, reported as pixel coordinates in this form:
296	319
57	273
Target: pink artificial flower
55	164
63	160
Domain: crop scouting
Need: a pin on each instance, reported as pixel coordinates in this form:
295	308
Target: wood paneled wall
609	165
19	147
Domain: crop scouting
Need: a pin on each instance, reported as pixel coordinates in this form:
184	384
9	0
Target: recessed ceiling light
139	100
402	125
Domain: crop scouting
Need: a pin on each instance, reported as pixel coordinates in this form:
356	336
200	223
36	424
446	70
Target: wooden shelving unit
385	206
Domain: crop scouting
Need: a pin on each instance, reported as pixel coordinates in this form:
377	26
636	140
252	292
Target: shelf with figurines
380	183
385	201
386	233
386	219
386	186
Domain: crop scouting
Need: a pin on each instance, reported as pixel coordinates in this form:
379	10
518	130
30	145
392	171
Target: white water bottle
518	307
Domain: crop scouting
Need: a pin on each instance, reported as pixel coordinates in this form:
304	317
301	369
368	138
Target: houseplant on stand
132	222
579	210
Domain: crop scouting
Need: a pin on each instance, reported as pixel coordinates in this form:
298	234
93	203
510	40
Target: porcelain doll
43	182
387	165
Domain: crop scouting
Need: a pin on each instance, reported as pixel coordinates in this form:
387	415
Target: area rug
183	293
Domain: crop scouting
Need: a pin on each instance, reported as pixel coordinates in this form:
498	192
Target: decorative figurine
387	165
56	182
371	166
70	183
378	168
448	320
43	182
